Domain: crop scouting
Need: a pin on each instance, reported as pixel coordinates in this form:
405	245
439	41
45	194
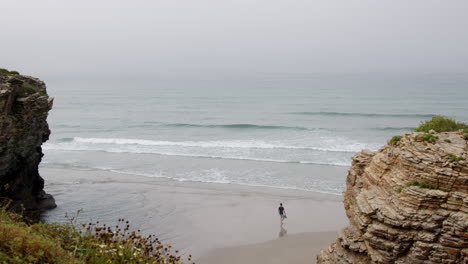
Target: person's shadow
282	232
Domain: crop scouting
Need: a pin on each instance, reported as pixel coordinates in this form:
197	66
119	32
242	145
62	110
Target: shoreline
306	177
331	169
197	218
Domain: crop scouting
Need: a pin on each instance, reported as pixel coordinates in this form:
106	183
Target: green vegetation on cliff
454	158
27	89
66	243
5	71
394	140
422	184
441	124
24	87
426	138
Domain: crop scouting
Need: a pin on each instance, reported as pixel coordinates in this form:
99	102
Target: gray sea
249	129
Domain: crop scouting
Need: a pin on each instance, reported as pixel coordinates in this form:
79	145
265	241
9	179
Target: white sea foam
56	147
333	144
255	150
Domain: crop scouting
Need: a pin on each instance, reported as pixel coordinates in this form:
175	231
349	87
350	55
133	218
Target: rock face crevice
391	221
24	106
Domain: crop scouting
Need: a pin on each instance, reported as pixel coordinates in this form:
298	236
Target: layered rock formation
406	203
24	105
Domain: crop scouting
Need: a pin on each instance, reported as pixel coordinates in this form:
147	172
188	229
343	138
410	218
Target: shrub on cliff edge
440	123
5	71
394	140
26	89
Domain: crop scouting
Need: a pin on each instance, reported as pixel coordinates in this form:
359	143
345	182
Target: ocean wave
240	126
236	126
363	114
348	147
321	150
51	146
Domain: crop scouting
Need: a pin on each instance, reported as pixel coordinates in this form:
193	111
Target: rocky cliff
24	105
406	203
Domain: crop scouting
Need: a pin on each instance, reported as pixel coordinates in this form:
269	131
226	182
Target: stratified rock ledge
24	106
389	223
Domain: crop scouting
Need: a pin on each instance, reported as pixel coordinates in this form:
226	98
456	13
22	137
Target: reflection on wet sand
283	231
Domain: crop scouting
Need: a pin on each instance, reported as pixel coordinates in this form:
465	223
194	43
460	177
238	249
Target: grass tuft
426	138
394	140
422	184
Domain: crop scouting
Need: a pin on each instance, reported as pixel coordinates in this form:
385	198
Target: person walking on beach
282	213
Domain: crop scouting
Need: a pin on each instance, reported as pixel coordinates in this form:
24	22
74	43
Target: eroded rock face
389	223
24	105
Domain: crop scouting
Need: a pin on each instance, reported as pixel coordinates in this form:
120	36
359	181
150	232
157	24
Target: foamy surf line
350	146
341	164
250	150
197	180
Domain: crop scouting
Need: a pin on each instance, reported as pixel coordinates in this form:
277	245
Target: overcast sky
234	35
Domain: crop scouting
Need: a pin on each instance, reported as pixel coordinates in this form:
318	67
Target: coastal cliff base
406	203
24	106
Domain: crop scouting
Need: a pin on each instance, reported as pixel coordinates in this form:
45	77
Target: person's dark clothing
281	210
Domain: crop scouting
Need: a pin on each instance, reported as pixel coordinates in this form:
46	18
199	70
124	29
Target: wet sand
210	221
290	249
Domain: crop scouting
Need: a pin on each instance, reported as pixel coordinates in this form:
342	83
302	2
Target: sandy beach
213	222
291	249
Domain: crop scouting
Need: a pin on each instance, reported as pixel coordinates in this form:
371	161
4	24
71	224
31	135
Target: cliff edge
24	105
406	203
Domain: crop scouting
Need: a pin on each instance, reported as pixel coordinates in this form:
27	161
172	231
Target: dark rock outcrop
406	203
24	105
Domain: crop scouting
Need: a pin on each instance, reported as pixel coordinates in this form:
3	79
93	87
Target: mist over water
255	129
